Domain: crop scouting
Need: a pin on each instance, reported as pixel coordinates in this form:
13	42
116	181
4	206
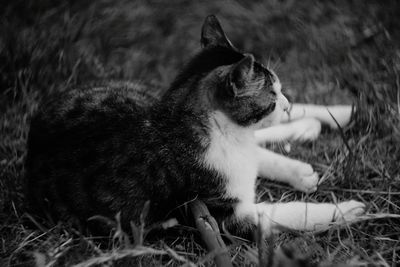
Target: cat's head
246	91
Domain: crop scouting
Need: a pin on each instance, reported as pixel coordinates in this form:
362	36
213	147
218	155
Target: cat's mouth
275	117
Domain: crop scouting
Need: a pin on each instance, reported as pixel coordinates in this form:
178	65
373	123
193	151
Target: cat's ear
212	34
241	80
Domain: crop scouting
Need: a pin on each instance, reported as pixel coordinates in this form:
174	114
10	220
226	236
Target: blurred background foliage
70	41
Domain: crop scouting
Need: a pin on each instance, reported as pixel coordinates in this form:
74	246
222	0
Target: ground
326	53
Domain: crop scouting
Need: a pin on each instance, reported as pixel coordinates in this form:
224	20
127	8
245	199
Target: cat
100	150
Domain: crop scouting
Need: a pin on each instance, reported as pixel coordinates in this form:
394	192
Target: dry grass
337	52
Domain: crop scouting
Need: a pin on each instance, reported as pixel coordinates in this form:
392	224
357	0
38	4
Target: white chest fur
232	153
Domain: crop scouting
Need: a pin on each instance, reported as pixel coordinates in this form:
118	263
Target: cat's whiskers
269	60
277	64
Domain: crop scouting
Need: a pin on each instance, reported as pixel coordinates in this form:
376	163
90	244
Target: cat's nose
285	103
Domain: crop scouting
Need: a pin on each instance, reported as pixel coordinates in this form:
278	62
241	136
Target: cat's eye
271	107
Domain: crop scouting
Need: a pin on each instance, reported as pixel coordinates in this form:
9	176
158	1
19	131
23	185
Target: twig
208	228
328	189
260	238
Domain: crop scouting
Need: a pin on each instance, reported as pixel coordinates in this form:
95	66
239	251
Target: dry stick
208	228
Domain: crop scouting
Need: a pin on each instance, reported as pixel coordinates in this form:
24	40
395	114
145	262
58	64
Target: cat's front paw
349	211
307	129
342	115
304	178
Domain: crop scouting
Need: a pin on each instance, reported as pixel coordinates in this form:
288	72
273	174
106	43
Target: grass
330	53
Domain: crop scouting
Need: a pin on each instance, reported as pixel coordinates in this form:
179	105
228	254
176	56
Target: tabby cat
100	150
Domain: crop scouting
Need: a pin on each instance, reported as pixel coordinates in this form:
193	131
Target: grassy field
336	52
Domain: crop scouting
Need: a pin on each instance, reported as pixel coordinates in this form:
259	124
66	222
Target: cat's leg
276	217
341	113
277	167
303	123
299	130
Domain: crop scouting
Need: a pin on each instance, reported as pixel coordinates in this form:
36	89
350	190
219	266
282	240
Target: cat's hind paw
349	211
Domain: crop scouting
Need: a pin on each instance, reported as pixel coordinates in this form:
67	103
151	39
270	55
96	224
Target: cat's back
91	110
85	139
